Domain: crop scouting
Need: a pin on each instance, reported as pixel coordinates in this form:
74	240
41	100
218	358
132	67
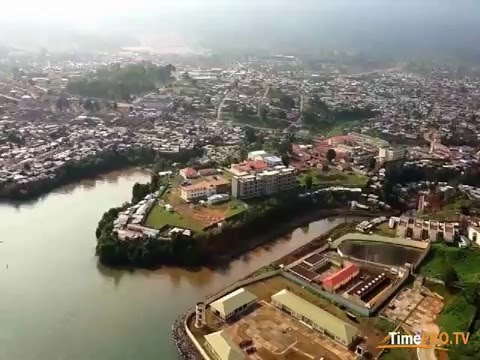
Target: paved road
220	106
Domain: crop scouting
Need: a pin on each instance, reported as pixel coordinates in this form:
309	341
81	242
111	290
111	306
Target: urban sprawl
222	140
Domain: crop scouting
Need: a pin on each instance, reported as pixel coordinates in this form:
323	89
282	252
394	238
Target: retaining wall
330	296
383	239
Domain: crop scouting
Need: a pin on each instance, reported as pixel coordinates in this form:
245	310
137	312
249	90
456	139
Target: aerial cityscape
192	194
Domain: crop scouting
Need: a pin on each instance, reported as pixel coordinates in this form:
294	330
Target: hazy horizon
383	26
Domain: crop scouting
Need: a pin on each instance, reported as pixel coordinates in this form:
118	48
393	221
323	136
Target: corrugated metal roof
229	303
225	348
327	321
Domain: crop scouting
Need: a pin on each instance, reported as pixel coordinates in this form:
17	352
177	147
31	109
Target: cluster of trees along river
216	245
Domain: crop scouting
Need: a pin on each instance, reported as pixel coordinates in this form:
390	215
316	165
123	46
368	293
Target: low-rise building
474	234
204	189
222	347
318	318
233	303
188	173
341	277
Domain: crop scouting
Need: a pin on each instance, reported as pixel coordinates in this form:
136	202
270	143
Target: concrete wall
383	239
195	342
330	296
217	296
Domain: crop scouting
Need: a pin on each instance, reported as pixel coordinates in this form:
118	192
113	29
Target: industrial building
233	303
222	346
315	317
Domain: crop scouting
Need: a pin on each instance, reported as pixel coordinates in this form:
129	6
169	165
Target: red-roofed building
341	277
189	173
250	166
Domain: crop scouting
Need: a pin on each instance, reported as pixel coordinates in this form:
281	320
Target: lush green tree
139	191
469	351
450	276
234	108
243	154
62	103
331	155
207	99
250	135
308	181
262	112
286	101
154	181
88	105
120	82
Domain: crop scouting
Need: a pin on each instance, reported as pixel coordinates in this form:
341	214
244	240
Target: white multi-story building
391	153
264	183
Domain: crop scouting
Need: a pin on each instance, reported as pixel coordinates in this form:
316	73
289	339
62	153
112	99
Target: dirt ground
278	336
416	307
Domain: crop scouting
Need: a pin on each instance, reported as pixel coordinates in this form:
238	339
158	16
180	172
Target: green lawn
235	207
457	312
465	261
159	217
333	177
399	354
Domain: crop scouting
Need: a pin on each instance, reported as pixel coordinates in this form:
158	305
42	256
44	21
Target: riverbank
53	263
88	168
184	341
286	227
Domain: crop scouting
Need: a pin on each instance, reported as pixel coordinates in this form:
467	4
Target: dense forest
319	116
121	82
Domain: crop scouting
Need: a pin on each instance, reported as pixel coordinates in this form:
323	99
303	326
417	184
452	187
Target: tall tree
331	155
308	181
262	112
250	135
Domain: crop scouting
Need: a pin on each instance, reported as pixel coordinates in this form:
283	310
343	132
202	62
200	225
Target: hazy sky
307	23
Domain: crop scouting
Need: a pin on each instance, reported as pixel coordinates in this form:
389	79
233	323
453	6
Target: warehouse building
315	317
222	347
233	303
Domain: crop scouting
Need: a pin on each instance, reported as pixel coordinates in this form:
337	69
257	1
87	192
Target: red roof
252	165
341	275
189	172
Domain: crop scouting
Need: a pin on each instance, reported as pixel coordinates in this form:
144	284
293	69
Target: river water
57	303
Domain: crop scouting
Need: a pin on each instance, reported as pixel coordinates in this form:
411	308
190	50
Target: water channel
57	303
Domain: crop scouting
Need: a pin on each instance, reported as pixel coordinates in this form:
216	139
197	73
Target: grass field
159	217
465	261
457	313
399	354
235	207
194	217
384	230
334	177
